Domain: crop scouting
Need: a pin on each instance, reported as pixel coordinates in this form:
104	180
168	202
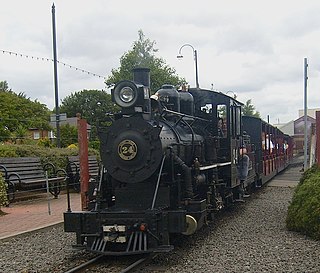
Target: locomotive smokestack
141	76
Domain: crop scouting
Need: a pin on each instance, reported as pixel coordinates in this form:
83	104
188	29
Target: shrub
7	150
72	146
45	142
3	192
304	210
95	144
57	156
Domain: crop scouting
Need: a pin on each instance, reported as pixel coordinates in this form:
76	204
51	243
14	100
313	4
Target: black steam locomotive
169	164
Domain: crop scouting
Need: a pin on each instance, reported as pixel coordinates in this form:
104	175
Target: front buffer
125	233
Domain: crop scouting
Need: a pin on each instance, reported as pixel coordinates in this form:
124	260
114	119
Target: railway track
85	265
111	266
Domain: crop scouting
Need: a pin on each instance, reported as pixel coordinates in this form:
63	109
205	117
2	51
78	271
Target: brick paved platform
34	214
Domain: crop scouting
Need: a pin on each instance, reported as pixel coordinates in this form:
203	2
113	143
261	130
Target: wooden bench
27	173
73	170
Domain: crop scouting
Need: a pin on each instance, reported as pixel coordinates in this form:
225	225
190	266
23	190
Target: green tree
4	86
68	135
249	110
17	112
93	105
142	54
20	133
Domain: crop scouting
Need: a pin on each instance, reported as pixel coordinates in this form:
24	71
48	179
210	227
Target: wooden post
318	137
83	159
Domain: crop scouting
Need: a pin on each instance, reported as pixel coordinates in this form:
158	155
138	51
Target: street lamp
195	60
234	94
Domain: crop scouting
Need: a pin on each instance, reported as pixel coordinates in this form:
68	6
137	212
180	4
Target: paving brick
34	214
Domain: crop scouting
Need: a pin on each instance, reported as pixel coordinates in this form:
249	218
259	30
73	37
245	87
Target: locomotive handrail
157	185
192	136
189	126
203	168
98	199
183	115
173	129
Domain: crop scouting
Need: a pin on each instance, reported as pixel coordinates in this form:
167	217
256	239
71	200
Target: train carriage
273	148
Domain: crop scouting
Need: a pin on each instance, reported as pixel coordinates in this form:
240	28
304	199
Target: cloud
256	49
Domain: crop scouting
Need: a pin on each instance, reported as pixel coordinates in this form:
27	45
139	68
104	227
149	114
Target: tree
20	133
18	112
249	110
69	135
4	86
93	105
143	55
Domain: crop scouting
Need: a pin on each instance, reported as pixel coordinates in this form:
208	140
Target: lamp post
234	94
195	60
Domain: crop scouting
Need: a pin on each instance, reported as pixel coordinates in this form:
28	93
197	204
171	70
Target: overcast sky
255	49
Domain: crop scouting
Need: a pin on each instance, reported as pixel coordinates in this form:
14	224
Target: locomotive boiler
169	162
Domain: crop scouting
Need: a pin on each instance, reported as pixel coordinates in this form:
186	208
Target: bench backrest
28	168
75	166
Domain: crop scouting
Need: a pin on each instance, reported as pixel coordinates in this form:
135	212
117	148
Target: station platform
289	177
26	216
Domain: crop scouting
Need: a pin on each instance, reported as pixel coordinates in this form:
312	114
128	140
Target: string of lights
51	60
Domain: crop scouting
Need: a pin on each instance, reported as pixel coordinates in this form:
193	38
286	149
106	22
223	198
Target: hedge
304	210
3	193
57	156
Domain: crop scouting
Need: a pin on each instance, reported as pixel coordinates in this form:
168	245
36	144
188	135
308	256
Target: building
71	121
36	133
310	112
295	128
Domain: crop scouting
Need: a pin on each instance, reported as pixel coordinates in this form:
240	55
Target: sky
254	49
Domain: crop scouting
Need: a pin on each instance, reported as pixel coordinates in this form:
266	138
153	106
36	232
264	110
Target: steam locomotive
169	164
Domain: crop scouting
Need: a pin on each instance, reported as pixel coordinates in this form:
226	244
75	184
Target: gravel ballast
250	238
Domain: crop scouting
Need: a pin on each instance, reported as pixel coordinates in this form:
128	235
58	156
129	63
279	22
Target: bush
57	156
95	144
3	192
45	142
304	211
7	151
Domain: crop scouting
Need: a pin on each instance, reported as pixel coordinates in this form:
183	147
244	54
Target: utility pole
55	69
305	163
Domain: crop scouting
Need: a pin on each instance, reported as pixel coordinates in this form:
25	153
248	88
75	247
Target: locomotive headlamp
125	94
131	97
